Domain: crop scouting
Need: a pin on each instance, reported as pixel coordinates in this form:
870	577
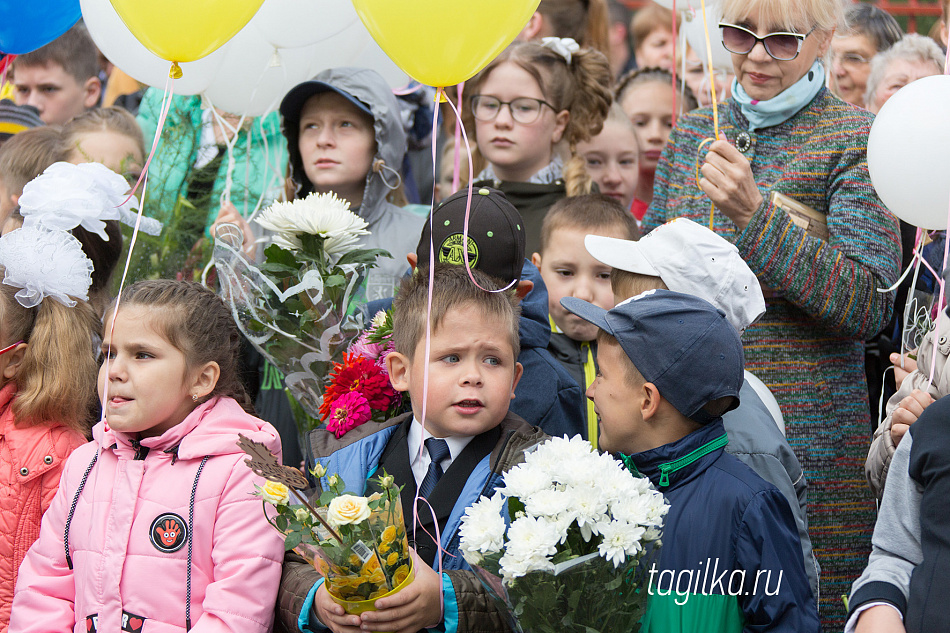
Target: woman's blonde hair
56	381
581	87
796	15
577	179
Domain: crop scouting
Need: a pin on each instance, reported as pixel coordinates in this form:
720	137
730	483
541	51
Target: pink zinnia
348	412
362	347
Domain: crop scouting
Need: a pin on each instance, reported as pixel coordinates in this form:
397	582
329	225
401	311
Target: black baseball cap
682	344
495	232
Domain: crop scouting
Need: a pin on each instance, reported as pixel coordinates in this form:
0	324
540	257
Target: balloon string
457	154
673	117
163	114
940	302
468	209
715	102
408	89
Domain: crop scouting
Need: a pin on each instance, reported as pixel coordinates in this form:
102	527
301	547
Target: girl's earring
194	397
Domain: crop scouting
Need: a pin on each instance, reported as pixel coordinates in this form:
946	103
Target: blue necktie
438	450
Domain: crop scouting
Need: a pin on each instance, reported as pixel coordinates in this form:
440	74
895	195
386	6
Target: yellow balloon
185	30
444	42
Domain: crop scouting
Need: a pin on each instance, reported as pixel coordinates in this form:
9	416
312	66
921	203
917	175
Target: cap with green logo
496	239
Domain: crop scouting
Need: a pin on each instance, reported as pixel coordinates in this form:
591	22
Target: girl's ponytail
56	381
590	87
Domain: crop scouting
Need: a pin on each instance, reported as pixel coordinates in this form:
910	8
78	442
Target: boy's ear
92	90
206	379
532	29
524	287
519	372
398	367
536	260
14	359
650	404
413	260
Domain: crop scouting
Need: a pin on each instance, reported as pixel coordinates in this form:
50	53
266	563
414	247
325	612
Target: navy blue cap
294	100
679	342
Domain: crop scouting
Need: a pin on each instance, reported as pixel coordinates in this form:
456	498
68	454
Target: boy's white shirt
419	457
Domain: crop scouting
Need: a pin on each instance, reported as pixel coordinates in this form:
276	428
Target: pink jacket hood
153	531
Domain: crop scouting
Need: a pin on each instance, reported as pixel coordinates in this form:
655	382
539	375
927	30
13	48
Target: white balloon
696	36
373	57
295	23
123	49
255	76
684	5
341	49
909	152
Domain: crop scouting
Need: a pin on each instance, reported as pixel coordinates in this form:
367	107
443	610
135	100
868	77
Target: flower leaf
363	256
292	541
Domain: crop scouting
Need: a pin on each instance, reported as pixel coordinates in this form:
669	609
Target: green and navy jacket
723	520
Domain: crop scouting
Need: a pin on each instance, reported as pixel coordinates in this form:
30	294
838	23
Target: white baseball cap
691	259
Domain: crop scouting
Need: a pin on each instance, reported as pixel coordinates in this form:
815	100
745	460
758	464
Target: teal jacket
260	158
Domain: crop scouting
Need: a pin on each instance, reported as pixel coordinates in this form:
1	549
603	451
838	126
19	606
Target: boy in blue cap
670	365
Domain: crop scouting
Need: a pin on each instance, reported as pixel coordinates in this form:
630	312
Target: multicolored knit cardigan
822	300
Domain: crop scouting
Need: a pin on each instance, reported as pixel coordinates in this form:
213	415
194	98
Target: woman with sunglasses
783	132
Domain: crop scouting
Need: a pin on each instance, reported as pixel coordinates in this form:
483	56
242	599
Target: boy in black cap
669	366
547	396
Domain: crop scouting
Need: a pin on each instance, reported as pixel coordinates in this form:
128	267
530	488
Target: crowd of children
124	499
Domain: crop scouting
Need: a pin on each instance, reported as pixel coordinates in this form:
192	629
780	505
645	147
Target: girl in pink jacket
154	527
46	404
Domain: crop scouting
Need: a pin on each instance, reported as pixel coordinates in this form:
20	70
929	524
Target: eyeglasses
782	46
524	110
850	59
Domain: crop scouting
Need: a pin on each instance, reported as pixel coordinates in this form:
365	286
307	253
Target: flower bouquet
358	389
357	543
298	307
574	550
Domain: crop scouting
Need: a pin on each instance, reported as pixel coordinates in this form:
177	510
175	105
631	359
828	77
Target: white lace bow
66	196
45	263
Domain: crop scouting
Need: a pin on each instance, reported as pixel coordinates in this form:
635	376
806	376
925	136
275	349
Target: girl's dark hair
104	256
644	75
198	324
585	21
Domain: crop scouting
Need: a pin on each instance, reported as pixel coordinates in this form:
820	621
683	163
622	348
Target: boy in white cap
686	257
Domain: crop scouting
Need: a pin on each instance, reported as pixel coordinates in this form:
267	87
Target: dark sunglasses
782	46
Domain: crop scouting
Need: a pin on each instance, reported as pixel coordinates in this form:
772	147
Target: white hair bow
563	46
45	263
66	196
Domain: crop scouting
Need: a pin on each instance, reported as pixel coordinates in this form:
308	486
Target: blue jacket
355	458
546	395
731	559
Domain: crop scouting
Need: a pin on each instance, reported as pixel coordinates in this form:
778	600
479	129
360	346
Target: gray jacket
756	440
392	228
896	544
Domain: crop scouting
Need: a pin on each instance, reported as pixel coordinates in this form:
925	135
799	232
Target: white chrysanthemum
620	540
590	508
45	263
379	319
483	528
549	503
66	196
522	481
318	214
532	541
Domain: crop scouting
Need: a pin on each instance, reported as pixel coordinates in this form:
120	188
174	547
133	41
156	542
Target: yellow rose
276	493
389	534
302	514
401	574
347	510
392	559
319	471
